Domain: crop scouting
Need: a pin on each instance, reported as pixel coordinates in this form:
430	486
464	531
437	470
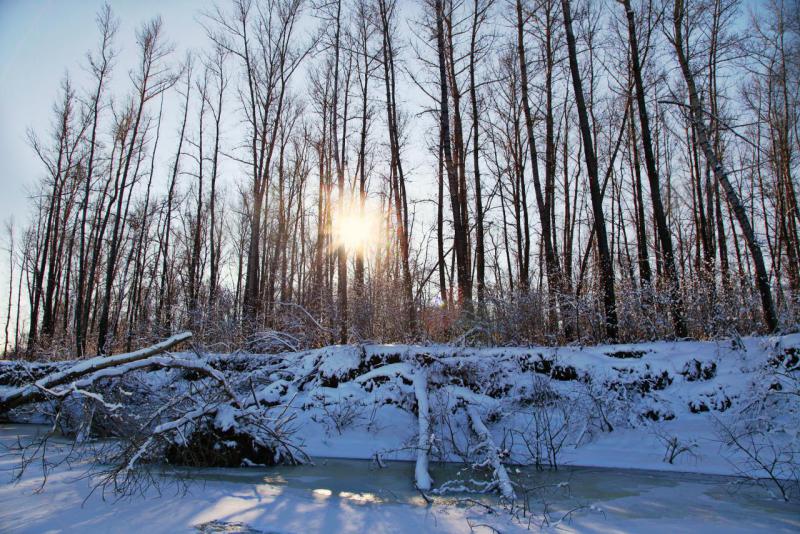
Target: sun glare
357	229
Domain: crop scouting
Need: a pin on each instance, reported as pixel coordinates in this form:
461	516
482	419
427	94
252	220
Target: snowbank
660	405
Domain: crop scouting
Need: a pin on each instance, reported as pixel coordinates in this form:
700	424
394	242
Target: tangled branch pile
483	407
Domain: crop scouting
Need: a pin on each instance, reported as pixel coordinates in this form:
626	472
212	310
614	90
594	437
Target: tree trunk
664	235
606	266
696	115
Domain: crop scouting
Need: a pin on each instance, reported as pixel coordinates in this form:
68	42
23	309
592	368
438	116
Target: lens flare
357	228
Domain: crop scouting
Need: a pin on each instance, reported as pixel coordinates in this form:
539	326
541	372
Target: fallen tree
486	407
193	414
42	388
492	450
419	379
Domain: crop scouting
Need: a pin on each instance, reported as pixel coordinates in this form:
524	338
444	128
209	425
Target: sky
40	40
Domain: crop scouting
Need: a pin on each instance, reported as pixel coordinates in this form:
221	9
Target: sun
357	228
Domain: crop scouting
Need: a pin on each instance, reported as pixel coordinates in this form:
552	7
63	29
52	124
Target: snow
621	405
326	504
225	418
338	361
391	430
634	443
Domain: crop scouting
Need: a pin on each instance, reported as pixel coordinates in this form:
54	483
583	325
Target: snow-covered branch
36	391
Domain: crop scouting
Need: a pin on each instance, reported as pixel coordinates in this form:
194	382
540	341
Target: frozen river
338	495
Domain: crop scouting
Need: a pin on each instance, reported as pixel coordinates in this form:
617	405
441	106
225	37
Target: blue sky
40	40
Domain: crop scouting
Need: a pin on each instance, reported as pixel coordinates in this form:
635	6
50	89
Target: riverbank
517	421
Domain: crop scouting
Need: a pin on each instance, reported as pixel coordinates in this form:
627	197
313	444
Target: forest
495	171
408	266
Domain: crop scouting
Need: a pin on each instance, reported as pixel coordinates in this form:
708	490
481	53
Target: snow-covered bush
551	417
762	439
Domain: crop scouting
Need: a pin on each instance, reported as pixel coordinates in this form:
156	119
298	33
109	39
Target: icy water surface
629	493
600	497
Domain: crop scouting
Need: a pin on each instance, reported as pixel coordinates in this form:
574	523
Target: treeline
595	170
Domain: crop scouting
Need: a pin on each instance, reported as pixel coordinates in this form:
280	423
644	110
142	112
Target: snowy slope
652	392
608	405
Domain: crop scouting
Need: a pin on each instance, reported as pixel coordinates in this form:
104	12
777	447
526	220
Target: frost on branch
488	408
179	409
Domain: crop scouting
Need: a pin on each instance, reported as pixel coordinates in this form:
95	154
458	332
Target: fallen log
421	474
487	443
37	391
419	377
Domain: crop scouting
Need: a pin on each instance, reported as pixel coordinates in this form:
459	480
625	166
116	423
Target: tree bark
664	235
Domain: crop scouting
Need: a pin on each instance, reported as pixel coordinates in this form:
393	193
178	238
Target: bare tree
664	235
698	121
606	265
10	234
151	78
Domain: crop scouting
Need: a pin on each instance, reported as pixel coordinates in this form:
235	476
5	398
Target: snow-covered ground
688	387
665	406
337	498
